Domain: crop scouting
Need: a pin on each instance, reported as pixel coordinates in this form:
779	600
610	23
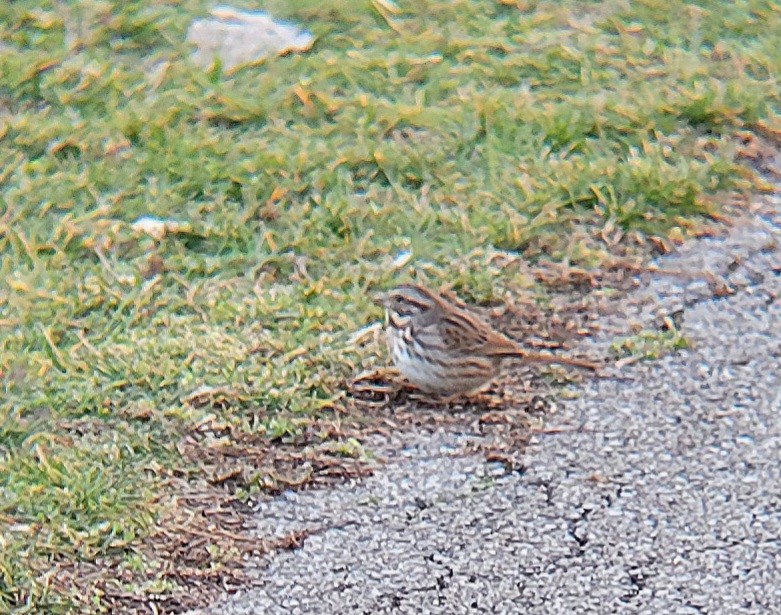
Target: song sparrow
445	350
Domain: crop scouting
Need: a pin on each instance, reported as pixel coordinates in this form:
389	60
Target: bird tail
547	359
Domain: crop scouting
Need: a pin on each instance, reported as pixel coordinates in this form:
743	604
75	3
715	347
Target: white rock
157	228
242	37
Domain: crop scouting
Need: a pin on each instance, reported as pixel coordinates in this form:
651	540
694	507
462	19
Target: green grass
650	344
469	129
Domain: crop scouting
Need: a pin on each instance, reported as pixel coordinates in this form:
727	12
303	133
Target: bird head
406	302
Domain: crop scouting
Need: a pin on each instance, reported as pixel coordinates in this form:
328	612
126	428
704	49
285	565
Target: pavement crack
637	579
547	486
577	532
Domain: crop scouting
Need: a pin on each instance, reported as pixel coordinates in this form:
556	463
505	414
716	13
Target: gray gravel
661	494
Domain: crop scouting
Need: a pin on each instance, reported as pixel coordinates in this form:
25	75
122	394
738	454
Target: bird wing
464	334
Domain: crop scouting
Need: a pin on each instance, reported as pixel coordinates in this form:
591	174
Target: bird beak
380	299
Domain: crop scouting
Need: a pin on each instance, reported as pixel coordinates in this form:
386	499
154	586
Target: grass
649	344
455	131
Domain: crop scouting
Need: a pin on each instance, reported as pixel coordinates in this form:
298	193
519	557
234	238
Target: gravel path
656	494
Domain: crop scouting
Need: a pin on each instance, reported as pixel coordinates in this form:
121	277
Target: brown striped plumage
445	350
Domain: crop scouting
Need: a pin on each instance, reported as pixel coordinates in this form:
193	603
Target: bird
445	350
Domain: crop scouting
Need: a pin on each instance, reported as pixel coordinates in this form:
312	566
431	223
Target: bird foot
374	382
